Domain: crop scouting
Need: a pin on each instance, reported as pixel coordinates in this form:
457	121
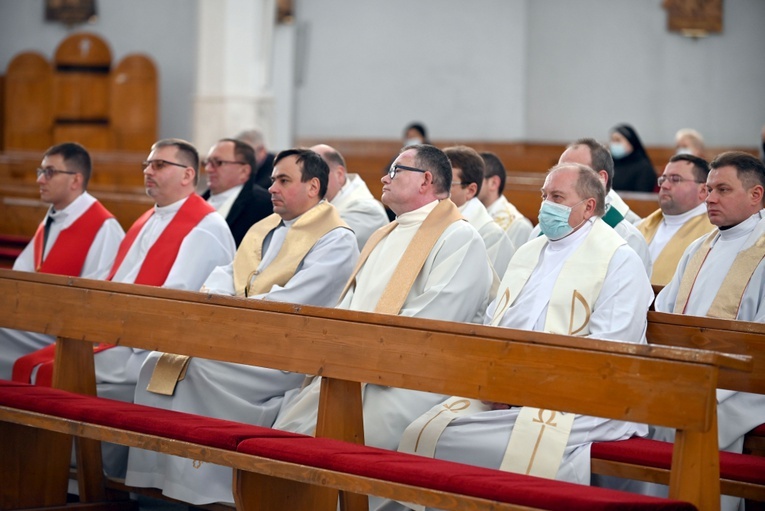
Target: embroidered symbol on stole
541	420
577	297
456	406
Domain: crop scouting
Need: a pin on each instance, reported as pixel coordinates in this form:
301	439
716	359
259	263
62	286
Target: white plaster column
234	70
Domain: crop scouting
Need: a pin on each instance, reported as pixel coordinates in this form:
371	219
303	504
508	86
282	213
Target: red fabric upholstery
186	427
329	454
450	476
653	453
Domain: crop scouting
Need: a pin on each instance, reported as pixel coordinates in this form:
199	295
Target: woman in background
633	170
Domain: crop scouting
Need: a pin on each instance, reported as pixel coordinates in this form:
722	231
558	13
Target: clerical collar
680	219
170	209
573	238
289	223
74	206
418	215
742	229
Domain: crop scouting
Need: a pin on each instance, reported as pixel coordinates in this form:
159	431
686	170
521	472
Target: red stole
161	256
154	270
67	255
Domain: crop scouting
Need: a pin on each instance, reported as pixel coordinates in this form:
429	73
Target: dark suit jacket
263	174
252	205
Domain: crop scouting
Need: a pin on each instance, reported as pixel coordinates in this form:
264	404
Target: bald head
337	169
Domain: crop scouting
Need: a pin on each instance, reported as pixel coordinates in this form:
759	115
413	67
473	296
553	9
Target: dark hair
244	152
600	156
493	167
187	153
700	165
419	128
312	165
588	185
76	157
435	161
749	169
469	162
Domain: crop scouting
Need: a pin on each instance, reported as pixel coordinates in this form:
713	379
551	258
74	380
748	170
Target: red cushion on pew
653	453
758	431
186	427
449	476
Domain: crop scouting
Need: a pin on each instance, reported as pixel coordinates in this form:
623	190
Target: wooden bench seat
348	466
742	475
666	386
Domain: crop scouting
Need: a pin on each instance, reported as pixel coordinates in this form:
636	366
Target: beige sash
728	298
537	442
443	215
539	437
666	263
300	238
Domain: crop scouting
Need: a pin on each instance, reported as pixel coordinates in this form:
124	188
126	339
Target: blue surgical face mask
618	150
553	219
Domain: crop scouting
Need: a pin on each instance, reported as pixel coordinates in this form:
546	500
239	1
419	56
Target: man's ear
472	189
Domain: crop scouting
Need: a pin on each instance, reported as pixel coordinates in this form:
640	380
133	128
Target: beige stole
731	292
539	437
307	230
666	263
443	215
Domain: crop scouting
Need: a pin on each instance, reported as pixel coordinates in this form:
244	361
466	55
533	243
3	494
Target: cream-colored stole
666	263
443	215
731	292
300	238
539	436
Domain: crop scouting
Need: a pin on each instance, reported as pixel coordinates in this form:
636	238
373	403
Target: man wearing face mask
589	152
579	279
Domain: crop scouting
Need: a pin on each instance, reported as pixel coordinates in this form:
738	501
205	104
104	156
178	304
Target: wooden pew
653	384
725	336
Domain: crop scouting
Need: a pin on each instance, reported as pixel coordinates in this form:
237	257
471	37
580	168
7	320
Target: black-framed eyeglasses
49	172
394	169
161	164
215	163
674	179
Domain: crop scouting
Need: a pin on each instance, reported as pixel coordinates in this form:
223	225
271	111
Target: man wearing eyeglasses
77	237
681	217
303	253
350	195
231	186
428	263
467	178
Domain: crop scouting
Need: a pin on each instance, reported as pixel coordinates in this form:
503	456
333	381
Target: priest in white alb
579	279
428	263
681	217
467	177
722	275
